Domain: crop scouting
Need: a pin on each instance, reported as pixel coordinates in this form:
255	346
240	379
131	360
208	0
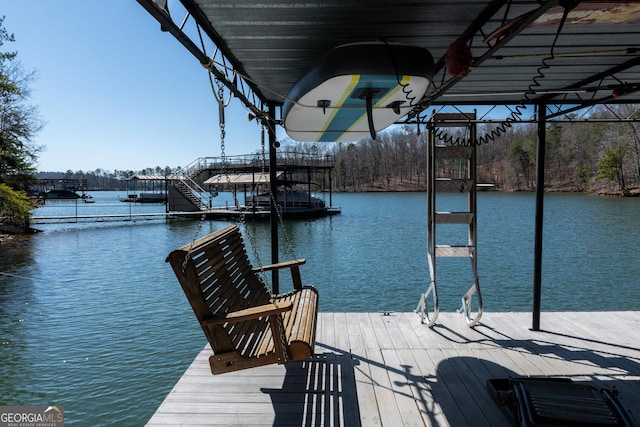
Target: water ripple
93	319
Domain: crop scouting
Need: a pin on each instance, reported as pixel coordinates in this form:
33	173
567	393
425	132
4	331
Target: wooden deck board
366	394
373	369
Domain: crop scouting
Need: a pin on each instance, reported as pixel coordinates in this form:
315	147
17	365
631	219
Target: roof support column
273	186
537	249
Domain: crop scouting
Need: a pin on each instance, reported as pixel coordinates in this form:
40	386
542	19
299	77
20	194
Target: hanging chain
283	340
193	241
220	100
223	132
221	105
252	242
224	171
287	238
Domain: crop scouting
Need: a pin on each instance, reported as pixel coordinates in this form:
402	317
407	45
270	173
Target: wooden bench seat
245	324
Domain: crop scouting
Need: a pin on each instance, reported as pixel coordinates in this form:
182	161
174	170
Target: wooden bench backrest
217	278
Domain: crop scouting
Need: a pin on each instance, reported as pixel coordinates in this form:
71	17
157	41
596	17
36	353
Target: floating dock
376	369
211	214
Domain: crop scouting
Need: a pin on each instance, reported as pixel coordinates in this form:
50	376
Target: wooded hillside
597	156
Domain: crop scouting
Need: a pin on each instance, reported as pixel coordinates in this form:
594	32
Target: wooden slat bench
238	314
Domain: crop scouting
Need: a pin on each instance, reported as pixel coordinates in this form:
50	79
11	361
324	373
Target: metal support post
537	260
273	177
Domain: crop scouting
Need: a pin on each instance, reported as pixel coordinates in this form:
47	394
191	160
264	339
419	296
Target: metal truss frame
560	108
227	69
220	63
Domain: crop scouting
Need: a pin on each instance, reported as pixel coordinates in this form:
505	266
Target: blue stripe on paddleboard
355	79
353	110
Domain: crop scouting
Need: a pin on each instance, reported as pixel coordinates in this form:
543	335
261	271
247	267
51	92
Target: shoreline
10	233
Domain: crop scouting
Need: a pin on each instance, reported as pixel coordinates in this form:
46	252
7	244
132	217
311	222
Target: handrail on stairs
186	174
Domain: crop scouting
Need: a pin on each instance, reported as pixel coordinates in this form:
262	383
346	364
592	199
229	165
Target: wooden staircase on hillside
184	198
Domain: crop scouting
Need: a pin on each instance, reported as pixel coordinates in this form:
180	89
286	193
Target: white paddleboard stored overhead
356	90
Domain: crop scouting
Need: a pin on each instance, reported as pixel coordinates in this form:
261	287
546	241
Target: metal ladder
451	168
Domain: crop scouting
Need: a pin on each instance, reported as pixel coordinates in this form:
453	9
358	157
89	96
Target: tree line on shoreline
596	155
585	156
102	179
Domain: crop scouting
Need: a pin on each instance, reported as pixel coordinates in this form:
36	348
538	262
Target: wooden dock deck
373	369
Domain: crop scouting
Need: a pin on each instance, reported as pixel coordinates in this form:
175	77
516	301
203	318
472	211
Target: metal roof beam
233	79
473	29
629	88
632	87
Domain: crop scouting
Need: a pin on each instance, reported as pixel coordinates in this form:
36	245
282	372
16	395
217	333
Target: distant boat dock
190	192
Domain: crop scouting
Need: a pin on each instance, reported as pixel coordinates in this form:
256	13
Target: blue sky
114	91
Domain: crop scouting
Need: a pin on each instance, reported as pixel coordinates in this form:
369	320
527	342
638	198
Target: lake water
93	319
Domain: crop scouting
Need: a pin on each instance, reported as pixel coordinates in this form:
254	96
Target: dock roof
240	178
154	177
556	52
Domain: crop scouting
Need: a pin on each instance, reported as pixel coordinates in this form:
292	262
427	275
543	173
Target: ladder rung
453	251
454	217
452	119
454	184
453	152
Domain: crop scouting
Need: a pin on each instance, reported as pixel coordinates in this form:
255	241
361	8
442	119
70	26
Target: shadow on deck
375	370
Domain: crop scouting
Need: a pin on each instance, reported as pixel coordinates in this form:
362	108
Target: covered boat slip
539	62
373	369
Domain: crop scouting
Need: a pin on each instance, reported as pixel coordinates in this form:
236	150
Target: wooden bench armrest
251	313
284	264
293	265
